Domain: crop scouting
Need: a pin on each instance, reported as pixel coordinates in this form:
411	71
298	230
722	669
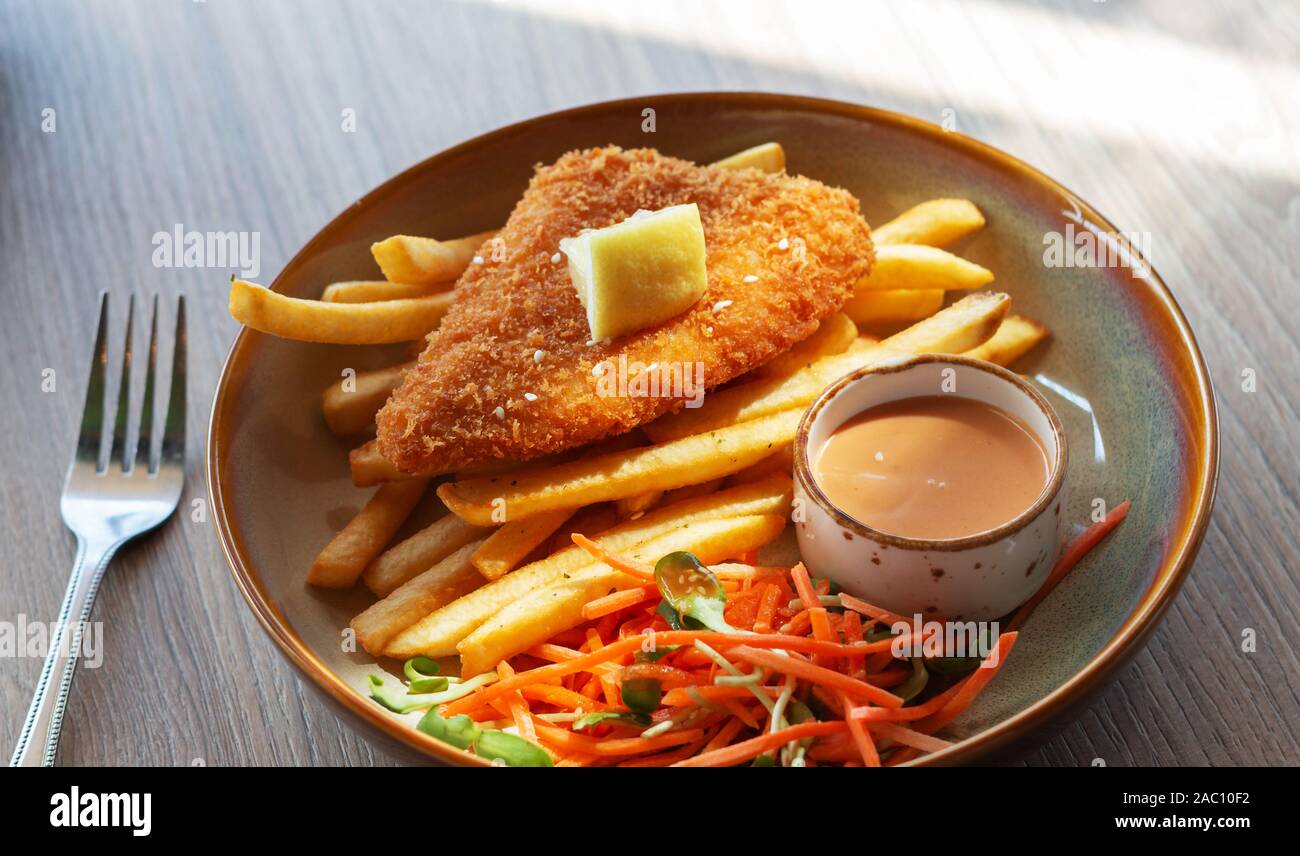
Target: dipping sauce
933	467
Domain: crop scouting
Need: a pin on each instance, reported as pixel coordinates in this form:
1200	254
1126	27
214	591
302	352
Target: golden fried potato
960	327
346	556
936	223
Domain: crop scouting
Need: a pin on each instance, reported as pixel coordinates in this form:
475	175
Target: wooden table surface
1178	119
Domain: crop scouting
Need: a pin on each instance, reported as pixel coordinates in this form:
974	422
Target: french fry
768	157
612	476
549	610
371	468
1013	340
691	491
369	291
893	306
450	579
936	223
916	266
352	412
441	630
637	503
542	613
589	521
405	258
409	558
358	543
964	325
379	323
512	543
505	548
780	461
833	336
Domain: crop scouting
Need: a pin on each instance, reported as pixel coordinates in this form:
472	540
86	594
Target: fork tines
90	439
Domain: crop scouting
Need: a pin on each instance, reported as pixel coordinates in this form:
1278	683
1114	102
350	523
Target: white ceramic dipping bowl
976	577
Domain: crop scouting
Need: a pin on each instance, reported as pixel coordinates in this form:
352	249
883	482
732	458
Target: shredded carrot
614	746
812	673
667	759
592	689
738	571
517	706
1078	548
875	613
742	610
740	712
559	697
798	624
861	737
803	585
821	627
768	598
622	647
887	678
972	686
738	753
614	560
669	677
618	601
681	697
612	696
820	622
904	714
905	736
560	654
851	627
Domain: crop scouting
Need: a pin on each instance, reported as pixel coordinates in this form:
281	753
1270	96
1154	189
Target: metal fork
106	506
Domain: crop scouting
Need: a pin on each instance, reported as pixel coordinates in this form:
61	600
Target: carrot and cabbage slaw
708	667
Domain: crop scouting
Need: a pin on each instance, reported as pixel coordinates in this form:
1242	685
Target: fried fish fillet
511	372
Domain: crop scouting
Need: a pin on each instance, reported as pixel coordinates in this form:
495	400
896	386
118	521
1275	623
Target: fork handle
39	739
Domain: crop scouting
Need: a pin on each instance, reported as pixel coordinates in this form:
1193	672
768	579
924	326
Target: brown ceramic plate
1122	368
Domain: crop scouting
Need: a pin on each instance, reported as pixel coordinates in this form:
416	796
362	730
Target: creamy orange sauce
935	466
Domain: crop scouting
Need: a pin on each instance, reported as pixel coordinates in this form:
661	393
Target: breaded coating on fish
509	373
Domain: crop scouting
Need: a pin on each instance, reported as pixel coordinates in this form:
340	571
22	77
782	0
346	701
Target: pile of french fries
499	574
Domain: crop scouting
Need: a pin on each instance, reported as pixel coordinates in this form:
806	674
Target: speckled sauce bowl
1122	368
982	576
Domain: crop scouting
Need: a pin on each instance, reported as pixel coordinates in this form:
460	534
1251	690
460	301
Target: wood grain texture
1172	118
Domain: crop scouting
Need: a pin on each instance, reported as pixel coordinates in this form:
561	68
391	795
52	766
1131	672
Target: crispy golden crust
443	416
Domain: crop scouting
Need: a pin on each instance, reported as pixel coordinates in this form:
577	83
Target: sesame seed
555	259
591	343
880	456
538	355
721	305
751	278
478	260
708	331
530	396
500	412
783	244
